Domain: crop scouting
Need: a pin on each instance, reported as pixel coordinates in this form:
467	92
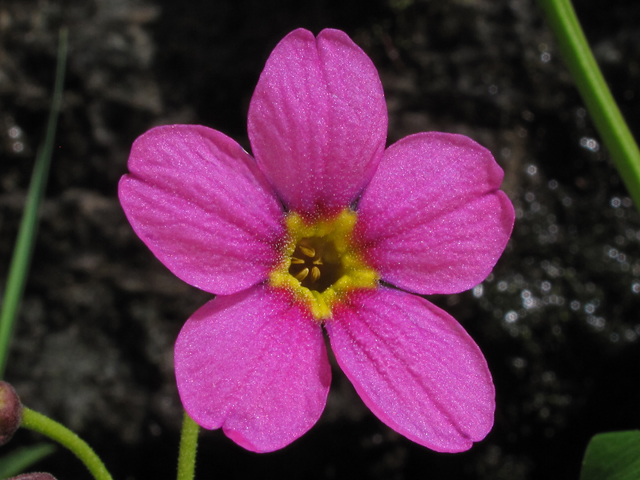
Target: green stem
188	447
29	225
39	423
595	93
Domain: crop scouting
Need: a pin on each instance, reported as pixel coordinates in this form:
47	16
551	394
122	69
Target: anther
297	261
315	274
308	251
302	274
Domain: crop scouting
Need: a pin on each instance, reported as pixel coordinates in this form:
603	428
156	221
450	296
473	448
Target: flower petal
432	220
255	365
318	121
415	367
202	206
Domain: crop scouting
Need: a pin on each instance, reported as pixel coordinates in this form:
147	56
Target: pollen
322	263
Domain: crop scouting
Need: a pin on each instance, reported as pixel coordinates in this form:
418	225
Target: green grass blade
19	460
595	93
29	225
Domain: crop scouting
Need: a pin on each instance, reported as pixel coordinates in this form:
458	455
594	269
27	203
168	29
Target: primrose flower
324	228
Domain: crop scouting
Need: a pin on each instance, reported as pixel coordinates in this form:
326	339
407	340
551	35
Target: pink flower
314	232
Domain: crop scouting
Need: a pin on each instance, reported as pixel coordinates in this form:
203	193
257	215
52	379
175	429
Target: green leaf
19	460
612	456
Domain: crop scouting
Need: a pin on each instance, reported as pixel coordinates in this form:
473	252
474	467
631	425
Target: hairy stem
188	447
55	431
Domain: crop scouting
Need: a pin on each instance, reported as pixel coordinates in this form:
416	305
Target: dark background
557	320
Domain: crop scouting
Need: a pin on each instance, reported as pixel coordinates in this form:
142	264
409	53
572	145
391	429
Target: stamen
308	251
315	273
318	261
297	261
302	274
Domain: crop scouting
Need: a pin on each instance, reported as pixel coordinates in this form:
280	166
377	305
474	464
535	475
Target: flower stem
29	224
595	93
188	447
55	431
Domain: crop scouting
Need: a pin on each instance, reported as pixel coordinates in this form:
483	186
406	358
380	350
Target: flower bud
10	412
34	476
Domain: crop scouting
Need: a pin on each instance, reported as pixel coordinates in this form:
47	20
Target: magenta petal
432	219
254	365
203	207
415	367
318	120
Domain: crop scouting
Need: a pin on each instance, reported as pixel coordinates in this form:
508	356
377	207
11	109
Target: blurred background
557	320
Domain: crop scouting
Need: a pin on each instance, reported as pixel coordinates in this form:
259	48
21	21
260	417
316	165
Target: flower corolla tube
323	227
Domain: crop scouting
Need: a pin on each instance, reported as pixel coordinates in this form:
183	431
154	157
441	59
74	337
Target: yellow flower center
321	263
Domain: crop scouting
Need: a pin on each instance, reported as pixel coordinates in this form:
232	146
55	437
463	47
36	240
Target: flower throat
316	263
321	263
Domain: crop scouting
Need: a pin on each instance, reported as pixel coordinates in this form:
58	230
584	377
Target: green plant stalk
39	423
29	224
188	447
595	93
